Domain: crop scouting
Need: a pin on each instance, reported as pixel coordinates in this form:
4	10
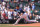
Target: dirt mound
33	24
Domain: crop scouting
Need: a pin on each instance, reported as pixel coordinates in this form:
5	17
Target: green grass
7	25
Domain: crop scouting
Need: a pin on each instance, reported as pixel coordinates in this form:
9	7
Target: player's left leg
32	21
27	20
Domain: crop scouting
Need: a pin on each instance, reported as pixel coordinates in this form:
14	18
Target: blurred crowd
8	13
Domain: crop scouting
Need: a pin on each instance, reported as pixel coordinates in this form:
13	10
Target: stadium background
24	2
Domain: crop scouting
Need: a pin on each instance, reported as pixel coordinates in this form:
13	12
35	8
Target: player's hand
15	18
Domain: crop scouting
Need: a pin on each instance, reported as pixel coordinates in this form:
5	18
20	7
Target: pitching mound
33	24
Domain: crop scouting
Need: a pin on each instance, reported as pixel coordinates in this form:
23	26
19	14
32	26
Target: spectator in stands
3	3
33	7
8	6
4	15
9	15
25	7
21	5
6	12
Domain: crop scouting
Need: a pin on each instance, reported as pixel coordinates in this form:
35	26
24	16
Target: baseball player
23	15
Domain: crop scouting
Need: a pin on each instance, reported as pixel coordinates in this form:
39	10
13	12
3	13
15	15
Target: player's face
17	7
